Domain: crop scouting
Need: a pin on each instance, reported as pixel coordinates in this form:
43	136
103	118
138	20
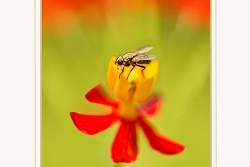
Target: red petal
162	144
151	106
92	124
124	147
97	95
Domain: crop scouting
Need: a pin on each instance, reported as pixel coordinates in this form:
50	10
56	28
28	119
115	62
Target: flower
129	92
124	147
143	81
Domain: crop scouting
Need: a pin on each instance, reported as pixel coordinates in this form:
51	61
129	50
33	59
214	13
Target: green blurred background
78	39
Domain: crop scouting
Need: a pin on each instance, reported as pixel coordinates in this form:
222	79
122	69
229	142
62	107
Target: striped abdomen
144	61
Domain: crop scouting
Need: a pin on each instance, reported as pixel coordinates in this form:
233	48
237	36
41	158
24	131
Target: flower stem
118	165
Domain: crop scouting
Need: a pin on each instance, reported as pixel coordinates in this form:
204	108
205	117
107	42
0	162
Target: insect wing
143	49
146	57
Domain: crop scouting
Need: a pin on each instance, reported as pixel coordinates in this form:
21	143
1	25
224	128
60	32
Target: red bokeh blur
58	15
195	13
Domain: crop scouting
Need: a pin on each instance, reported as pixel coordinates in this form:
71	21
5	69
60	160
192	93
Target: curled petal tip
151	106
124	148
159	143
97	95
143	90
112	73
92	124
166	146
122	88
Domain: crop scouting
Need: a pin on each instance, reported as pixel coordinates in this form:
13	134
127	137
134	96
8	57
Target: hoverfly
135	58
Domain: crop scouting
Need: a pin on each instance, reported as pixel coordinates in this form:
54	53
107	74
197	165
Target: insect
135	58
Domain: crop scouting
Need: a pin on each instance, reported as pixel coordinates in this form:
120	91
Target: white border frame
20	46
19	82
38	73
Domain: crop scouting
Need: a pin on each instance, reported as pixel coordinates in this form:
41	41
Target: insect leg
131	70
142	69
121	72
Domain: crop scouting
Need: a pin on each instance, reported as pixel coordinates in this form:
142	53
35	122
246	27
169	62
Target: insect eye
120	61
